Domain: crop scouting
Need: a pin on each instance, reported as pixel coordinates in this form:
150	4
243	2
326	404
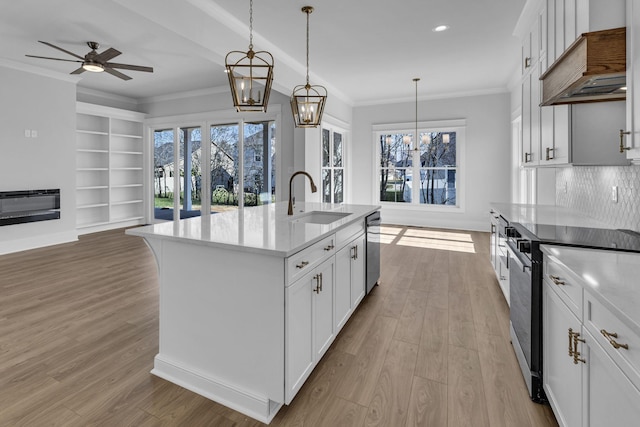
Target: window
426	174
332	166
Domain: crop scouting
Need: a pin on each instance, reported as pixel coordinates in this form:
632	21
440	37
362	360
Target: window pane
394	186
163	174
437	152
259	150
190	171
224	167
438	186
337	150
326	185
326	148
337	186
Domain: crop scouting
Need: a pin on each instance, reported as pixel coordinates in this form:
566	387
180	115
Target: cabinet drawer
614	335
347	234
568	288
303	261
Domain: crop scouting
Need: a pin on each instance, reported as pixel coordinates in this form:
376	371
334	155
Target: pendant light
250	75
426	137
307	102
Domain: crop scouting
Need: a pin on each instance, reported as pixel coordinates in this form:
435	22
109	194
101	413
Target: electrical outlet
614	194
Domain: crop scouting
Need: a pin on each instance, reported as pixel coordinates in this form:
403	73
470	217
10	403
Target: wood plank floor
429	347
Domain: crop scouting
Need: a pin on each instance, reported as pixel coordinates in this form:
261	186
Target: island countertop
263	229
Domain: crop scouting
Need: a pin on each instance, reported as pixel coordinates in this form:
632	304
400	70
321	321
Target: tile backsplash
589	190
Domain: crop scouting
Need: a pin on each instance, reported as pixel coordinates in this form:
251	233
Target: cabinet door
298	340
633	77
610	399
343	286
562	379
358	271
322	289
526	121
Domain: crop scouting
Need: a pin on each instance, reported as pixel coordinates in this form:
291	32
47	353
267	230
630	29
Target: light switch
34	133
27	133
614	194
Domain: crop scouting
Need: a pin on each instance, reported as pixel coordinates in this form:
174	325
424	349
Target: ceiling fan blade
61	49
107	55
129	67
55	59
117	73
78	71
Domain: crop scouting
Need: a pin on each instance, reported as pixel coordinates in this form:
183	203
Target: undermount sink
320	217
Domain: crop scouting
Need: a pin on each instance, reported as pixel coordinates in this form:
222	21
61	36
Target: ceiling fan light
93	67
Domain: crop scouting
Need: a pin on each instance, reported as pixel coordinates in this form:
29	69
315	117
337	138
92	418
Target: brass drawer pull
556	280
610	337
303	264
318	279
574	351
328	248
549	150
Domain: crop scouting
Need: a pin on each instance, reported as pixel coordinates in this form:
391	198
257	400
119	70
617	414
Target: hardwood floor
428	347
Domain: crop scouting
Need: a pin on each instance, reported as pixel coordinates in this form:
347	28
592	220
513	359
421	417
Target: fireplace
17	207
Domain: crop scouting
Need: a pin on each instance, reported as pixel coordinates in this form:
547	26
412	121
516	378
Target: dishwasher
372	224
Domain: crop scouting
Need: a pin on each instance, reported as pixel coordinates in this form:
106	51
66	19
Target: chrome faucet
291	198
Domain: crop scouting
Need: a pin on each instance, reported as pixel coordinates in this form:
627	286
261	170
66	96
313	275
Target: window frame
343	133
456	125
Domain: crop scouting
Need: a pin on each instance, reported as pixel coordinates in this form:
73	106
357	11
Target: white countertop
611	277
545	214
263	229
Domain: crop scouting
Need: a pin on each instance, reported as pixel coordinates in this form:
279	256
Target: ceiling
364	52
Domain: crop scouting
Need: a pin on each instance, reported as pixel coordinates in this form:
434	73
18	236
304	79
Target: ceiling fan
97	62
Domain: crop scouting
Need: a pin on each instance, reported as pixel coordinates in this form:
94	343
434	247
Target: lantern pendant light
307	102
250	75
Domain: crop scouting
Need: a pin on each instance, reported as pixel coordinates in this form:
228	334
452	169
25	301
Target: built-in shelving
109	170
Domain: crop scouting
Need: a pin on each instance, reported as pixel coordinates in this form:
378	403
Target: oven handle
518	257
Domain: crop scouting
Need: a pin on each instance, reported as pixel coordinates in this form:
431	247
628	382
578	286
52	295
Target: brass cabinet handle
527	62
318	279
354	252
574	351
610	337
570	342
549	157
527	157
328	248
303	264
622	146
556	280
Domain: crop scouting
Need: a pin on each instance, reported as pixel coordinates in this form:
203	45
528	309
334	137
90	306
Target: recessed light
440	28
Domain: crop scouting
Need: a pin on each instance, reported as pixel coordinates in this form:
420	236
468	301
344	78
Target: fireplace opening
17	207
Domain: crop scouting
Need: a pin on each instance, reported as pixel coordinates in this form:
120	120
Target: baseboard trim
257	407
35	242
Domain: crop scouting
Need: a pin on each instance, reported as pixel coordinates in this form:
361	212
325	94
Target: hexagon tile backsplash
589	190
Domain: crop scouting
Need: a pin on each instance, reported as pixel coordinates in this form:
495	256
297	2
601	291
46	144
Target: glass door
163	169
259	163
224	167
190	171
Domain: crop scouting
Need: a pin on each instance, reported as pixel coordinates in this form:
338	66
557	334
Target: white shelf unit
109	171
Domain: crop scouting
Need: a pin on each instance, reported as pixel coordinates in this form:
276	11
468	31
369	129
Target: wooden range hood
591	69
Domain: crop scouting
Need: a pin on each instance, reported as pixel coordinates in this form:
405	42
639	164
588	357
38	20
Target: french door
213	167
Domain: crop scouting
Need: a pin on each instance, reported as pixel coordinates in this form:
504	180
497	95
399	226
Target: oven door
526	318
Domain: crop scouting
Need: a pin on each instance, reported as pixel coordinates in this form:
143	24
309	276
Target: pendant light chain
250	24
416	135
308	13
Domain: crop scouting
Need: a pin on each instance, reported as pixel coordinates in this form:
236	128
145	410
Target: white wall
487	154
47	105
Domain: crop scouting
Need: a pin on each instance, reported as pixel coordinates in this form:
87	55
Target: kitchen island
251	299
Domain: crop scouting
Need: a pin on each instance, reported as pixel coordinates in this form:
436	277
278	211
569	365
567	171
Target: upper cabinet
578	134
630	136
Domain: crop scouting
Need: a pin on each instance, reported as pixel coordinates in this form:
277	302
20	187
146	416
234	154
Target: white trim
39	241
185	94
106	95
447	95
411	126
116	113
39	71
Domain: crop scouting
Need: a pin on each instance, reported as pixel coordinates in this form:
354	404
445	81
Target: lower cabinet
309	324
562	378
350	283
584	384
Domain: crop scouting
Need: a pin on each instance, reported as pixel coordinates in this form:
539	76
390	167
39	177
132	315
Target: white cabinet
309	324
109	168
632	140
591	358
562	379
350	282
